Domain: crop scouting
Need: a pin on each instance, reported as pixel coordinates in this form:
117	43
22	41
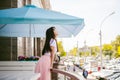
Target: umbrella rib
27	12
34	28
67	30
3	26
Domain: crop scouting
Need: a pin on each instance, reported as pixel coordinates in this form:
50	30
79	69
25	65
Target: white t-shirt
54	44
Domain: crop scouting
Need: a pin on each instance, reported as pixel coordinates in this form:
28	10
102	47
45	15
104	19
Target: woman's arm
52	55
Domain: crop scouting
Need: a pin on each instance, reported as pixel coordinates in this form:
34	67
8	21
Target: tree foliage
81	54
107	47
117	54
116	45
61	49
84	53
108	50
94	50
73	52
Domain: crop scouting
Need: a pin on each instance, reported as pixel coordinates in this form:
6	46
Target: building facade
11	48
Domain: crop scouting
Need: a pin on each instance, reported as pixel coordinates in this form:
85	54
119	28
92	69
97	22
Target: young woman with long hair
45	63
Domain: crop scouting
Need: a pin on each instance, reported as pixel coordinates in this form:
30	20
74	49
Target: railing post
71	79
54	76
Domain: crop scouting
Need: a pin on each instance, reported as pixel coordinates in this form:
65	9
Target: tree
116	44
94	50
118	52
73	52
108	50
61	49
81	54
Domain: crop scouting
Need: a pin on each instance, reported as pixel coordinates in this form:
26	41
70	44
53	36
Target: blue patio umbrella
31	21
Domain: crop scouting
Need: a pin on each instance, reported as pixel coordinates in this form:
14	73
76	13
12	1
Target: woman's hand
51	68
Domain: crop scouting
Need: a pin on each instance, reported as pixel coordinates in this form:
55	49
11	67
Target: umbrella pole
30	53
11	49
30	31
30	42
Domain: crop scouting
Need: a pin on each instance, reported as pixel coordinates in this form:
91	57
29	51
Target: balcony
25	70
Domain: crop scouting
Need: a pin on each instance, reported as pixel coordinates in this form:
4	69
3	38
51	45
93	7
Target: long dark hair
49	35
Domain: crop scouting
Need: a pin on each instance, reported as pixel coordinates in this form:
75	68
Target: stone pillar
35	47
21	3
20	46
46	4
14	3
37	3
13	48
29	1
29	47
41	46
38	46
25	46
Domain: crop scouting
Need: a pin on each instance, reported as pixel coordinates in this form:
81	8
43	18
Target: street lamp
101	35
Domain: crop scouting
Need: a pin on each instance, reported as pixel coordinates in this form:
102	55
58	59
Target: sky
93	12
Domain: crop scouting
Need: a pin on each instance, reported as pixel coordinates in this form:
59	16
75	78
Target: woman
45	63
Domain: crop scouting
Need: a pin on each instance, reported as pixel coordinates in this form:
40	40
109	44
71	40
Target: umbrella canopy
30	21
35	30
